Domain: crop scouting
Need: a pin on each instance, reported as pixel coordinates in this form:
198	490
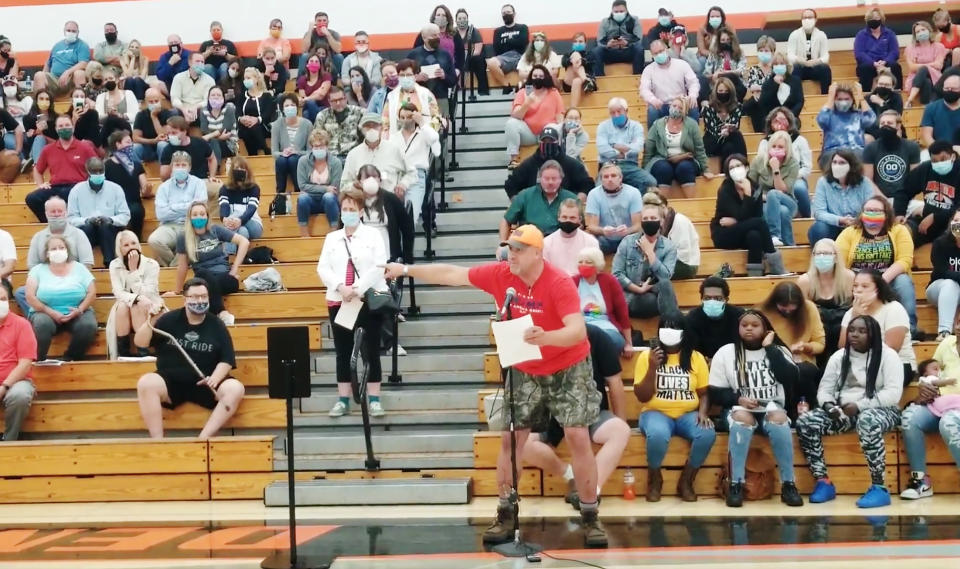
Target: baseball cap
664	12
679	34
368	118
550	131
524	236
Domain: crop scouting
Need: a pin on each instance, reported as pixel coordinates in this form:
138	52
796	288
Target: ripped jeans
870	425
781	440
917	420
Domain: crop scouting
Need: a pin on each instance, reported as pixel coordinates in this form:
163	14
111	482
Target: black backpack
278	206
260	256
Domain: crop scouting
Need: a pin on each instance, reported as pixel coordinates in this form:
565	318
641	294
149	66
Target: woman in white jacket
351	263
860	390
135	282
808	52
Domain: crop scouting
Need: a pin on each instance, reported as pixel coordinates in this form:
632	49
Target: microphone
508	298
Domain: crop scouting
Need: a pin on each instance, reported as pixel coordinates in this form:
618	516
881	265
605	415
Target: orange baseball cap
525	235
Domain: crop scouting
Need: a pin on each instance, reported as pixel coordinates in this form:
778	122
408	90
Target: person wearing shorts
207	342
610	430
560	382
509	42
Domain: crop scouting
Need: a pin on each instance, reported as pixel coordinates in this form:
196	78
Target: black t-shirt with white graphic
207	344
891	165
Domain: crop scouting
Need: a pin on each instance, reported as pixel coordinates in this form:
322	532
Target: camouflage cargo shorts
570	396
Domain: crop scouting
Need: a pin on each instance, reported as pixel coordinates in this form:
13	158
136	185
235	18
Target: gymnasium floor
241	534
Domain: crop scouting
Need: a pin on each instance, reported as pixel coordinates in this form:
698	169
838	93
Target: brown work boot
654	484
572	497
503	527
593	533
685	484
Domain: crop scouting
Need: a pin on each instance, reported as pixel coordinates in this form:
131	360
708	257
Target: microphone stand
517	547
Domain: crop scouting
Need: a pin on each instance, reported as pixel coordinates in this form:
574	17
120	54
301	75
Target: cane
186	356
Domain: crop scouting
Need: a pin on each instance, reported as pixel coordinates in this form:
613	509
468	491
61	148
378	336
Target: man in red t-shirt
18	350
66	158
560	384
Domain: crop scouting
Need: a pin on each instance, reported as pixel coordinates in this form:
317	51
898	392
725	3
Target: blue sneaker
875	497
823	492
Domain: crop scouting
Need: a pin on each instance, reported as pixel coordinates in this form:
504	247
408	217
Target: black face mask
889	136
550	150
951	96
538	82
874	24
433	43
945	29
508	19
883	92
650	228
723	97
5	54
568	226
110	85
239	176
110	37
726	46
97	81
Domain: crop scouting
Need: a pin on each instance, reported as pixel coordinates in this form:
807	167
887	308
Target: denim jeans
903	286
216	72
634	175
654	113
917	420
312	204
658	428
778	212
311	109
415	193
801	192
149	152
252	229
945	295
286	167
9	141
781	440
683	172
36	147
608	328
632	54
821	230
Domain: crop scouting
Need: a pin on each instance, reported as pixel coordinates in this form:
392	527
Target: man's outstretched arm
436	273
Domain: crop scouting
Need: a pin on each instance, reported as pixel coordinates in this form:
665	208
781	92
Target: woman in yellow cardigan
796	321
876	241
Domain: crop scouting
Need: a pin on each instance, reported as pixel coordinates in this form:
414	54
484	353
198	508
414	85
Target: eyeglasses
338	100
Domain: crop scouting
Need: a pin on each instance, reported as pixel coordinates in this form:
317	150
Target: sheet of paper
347	316
510	345
430	70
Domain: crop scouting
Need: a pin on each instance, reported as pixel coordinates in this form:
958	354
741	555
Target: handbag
377	302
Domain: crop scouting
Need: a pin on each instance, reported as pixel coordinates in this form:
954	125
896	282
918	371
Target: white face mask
58	256
371	186
738	174
840	171
808	23
10	90
372	135
670	337
4	308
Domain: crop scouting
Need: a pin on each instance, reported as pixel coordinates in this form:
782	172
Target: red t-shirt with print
552	297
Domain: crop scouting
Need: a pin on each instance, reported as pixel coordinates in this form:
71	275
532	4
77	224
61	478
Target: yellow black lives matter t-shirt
676	392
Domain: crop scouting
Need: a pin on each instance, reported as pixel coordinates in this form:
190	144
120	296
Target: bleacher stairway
432	414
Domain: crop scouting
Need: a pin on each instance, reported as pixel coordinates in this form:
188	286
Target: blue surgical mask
780	69
619	16
714	308
289	112
350	218
248	83
715	21
173	139
571	125
764	56
843	106
407	83
664	20
923	35
181	174
662	57
319	153
97	179
943	167
198	222
198	68
824	263
579	46
619	121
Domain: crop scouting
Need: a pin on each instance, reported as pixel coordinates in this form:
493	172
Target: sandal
513	164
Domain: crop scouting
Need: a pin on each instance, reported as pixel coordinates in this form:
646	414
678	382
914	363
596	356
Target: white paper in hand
510	345
347	315
430	70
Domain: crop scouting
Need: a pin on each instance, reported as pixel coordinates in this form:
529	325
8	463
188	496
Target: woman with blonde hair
828	283
924	61
680	229
135	70
257	110
775	174
135	282
202	247
947	34
539	52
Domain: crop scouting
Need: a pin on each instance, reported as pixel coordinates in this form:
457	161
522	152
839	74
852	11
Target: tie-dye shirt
844	130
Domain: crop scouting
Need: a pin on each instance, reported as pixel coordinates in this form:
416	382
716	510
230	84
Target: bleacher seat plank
103	456
118	376
250	305
241	454
246	338
120	488
115	415
911	11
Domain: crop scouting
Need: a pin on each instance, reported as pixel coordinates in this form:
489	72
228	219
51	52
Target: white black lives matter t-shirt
208	344
758	381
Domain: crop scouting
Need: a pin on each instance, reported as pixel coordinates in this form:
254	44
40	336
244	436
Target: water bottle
629	492
803	407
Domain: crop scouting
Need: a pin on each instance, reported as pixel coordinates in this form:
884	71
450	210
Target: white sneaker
227	318
400	351
339	409
777	242
918	487
376	409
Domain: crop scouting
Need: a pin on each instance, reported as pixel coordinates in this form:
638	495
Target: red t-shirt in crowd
551	297
16	341
66	165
